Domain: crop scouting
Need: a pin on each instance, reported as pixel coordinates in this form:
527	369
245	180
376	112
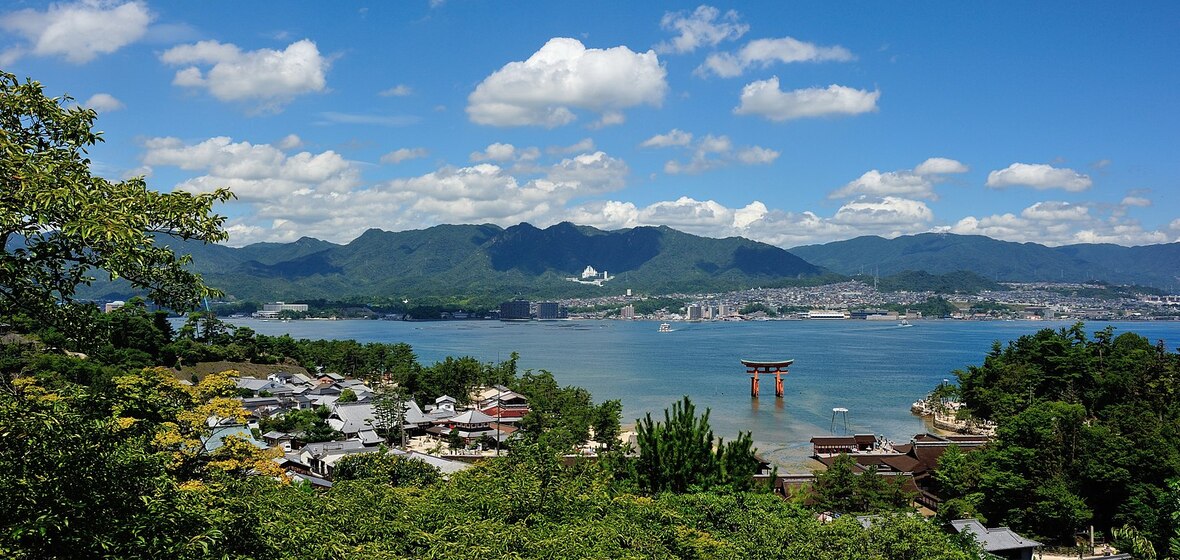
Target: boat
665	327
904	323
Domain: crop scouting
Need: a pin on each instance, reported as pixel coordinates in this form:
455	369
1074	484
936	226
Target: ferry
904	323
665	327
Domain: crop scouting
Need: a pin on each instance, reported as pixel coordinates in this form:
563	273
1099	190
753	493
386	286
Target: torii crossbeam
778	368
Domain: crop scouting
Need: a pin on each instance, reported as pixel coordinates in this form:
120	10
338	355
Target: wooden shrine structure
779	369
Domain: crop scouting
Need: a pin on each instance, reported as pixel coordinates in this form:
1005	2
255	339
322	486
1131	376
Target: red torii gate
779	369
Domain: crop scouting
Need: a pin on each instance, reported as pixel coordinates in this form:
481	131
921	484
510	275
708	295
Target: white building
272	310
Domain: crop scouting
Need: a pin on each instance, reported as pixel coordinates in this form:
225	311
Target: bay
875	370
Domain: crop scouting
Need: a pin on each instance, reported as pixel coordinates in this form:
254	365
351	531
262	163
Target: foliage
310	425
1089	433
841	489
678	454
385	469
58	221
751	308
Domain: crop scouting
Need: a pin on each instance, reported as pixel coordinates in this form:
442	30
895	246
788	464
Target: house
834	445
321	457
470	426
1000	541
502	403
329	378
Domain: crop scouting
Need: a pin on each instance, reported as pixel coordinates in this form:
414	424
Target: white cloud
583	145
764	98
708	152
495	152
400	90
899	183
674	137
889	217
609	118
254	172
1061	223
1136	201
939	165
755	155
77	32
268	77
705	26
1056	212
916	184
103	103
1038	176
564	75
290	142
888	211
402	154
764	52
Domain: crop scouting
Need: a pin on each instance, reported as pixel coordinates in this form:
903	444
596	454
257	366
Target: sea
875	370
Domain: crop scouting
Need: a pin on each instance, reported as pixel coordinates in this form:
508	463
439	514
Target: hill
941	253
486	261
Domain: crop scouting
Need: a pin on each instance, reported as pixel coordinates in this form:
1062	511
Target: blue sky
784	122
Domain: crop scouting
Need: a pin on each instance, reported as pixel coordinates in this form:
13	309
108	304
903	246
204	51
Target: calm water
875	370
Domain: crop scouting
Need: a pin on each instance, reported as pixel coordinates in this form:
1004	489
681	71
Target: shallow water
875	370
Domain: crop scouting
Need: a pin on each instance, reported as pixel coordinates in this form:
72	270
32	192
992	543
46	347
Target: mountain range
487	261
940	253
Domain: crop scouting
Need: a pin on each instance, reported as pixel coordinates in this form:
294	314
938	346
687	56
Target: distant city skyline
786	123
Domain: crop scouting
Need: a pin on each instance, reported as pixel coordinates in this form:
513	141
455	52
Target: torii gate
779	369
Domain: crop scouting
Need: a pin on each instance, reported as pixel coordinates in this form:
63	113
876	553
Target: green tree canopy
59	222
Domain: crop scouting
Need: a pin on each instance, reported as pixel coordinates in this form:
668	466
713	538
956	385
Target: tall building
516	310
694	313
550	310
628	312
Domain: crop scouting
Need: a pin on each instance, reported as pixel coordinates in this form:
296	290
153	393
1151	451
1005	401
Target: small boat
904	323
665	327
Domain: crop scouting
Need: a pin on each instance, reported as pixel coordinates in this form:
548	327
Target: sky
790	123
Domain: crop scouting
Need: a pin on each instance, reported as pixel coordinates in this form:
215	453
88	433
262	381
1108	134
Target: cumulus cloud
705	26
1061	223
888	211
1136	201
282	197
1038	176
290	142
889	217
764	98
402	154
103	103
940	165
918	183
562	76
708	152
495	152
254	172
762	53
400	90
269	78
77	32
674	137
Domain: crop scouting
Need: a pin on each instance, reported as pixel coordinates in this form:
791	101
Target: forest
1089	434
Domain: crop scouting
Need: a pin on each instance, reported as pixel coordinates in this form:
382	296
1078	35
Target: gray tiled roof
999	538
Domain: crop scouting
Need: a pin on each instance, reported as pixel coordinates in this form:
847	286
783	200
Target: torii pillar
779	369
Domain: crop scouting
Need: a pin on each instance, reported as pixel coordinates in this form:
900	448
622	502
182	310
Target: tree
58	221
677	455
347	396
389	410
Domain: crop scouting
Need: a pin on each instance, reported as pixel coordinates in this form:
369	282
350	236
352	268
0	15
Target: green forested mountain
486	260
940	253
